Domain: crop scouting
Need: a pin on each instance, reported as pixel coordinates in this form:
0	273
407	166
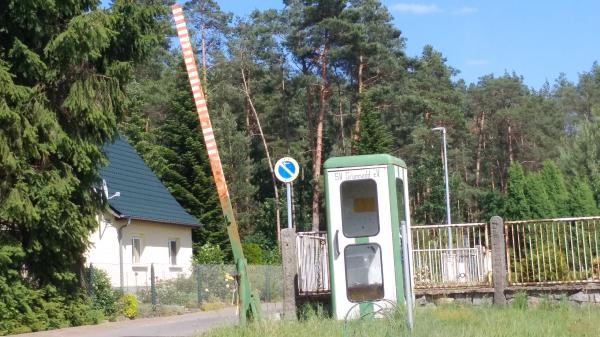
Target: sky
536	39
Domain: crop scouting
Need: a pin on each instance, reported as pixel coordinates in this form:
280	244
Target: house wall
104	250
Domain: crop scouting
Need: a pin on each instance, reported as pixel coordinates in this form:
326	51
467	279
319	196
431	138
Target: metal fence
214	284
467	263
313	265
553	251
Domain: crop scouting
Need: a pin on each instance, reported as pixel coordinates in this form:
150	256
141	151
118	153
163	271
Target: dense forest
330	78
317	79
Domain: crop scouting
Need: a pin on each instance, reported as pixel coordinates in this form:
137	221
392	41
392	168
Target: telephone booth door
363	254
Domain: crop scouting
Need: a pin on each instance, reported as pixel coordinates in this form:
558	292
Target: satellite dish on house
105	190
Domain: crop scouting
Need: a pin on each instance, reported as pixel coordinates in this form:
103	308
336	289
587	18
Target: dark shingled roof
143	196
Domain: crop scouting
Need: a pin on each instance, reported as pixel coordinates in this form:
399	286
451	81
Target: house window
136	249
173	252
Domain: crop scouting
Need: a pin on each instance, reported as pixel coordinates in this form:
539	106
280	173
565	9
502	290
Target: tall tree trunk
360	82
480	141
510	137
202	35
323	89
268	155
464	162
309	113
341	114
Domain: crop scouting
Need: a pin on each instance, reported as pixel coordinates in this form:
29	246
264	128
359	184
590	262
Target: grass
556	320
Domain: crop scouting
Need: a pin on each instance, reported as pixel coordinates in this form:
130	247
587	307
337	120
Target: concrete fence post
498	259
290	269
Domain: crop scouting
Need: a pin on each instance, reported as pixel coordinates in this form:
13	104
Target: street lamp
448	216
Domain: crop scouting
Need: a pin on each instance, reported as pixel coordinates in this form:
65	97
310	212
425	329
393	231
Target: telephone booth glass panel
364	272
400	200
360	216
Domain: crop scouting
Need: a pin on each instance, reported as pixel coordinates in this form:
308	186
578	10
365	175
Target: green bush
272	256
104	298
208	253
552	267
129	305
24	308
253	253
180	291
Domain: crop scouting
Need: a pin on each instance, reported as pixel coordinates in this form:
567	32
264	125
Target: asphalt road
172	326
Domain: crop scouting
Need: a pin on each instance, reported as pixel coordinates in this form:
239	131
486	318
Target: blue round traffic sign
287	169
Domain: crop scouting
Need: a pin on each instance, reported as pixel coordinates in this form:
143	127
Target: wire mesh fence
214	284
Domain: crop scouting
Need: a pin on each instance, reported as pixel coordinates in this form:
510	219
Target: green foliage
63	69
517	205
253	253
552	267
537	198
208	253
374	136
24	308
180	291
555	186
464	321
175	150
129	304
272	256
103	297
493	203
520	300
582	201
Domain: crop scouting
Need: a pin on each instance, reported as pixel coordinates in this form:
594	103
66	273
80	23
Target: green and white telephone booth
366	204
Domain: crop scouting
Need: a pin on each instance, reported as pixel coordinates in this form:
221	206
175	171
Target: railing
466	264
313	264
538	252
553	251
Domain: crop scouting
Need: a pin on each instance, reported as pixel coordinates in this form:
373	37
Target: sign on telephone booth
366	205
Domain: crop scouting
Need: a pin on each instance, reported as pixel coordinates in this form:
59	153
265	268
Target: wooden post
290	270
498	260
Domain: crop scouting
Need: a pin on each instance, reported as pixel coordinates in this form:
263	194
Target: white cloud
415	8
465	11
477	62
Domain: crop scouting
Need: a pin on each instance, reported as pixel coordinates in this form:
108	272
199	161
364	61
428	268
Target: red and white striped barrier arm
202	110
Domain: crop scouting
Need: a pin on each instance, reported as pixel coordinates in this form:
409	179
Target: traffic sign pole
289	203
286	170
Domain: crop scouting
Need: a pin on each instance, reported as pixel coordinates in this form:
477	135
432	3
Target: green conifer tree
582	201
556	189
374	136
517	205
537	198
63	69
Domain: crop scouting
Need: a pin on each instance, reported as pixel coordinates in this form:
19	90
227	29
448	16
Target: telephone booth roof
363	160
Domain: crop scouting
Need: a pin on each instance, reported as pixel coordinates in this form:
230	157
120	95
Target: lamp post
448	216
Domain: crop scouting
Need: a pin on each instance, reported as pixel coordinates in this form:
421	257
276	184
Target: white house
144	225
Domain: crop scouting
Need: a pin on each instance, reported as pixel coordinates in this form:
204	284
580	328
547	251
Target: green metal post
199	283
267	283
91	280
152	287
